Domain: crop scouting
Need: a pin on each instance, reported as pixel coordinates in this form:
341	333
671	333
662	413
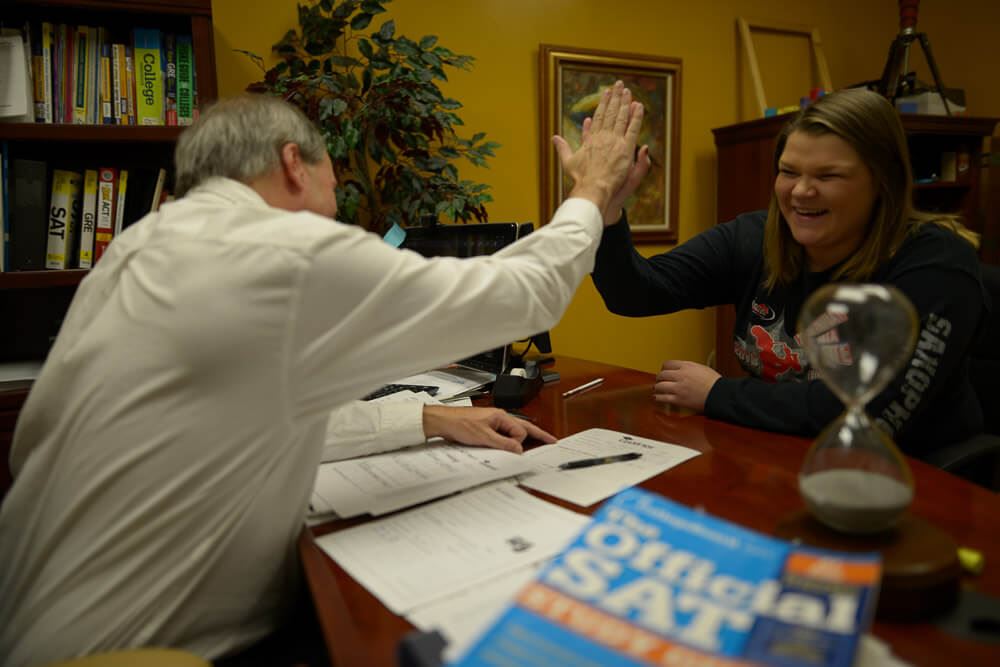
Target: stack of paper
428	553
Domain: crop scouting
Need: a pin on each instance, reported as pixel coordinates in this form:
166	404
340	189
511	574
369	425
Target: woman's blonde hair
871	126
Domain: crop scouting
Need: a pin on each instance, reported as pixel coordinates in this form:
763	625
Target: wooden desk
743	475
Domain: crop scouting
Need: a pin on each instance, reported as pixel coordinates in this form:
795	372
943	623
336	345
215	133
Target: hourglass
857	338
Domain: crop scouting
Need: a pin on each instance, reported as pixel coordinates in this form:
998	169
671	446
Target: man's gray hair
241	138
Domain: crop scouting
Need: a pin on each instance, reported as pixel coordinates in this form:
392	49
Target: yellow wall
501	97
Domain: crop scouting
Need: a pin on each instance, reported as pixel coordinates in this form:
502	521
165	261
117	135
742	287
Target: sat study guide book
651	582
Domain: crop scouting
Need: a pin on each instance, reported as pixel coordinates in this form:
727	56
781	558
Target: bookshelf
745	168
36	301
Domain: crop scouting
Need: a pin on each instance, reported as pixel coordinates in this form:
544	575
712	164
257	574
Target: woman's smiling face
826	194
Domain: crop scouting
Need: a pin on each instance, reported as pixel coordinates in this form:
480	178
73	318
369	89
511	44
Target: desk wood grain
746	476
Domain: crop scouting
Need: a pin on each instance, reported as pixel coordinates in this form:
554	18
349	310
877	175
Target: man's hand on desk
481	427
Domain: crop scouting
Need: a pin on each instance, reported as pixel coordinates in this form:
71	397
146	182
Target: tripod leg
890	74
926	44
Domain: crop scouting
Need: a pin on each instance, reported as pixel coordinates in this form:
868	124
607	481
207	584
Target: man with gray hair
164	458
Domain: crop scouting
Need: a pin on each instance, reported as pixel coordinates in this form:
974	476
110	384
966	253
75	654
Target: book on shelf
88	219
130	91
29	205
649	581
121	191
16	91
4	209
185	80
81	68
107	116
170	78
44	78
107	181
148	76
64	216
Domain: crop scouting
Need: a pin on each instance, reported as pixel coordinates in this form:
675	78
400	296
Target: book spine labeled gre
148	76
170	83
64	215
88	224
651	582
185	80
107	179
29	202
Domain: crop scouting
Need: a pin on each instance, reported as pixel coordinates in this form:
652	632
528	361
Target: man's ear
293	167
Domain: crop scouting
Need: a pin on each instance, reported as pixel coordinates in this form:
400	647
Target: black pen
601	460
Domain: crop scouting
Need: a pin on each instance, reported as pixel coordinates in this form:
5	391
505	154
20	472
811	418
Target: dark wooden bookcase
34	303
745	153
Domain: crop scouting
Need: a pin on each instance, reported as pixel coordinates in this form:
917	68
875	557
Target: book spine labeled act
107	180
148	76
64	214
88	225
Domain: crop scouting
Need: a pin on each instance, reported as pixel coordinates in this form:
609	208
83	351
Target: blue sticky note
395	236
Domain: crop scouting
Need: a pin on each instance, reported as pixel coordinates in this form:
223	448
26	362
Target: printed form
586	486
436	550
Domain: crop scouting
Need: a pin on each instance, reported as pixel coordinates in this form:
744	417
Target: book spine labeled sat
147	51
651	582
107	180
88	224
64	215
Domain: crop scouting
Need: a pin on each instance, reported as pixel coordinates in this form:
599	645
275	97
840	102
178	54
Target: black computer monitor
468	240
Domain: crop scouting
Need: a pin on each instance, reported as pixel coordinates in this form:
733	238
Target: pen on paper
583	387
601	460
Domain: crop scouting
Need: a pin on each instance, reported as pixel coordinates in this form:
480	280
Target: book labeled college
64	215
651	582
88	224
107	182
184	53
148	76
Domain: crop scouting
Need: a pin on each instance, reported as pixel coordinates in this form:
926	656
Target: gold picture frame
571	80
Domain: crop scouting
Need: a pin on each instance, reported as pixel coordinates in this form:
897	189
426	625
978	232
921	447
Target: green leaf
427	41
361	21
344	61
388	30
365	47
372	7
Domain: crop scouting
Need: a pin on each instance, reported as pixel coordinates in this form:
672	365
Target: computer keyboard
394	388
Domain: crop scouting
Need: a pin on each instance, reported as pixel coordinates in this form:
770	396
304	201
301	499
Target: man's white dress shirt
165	456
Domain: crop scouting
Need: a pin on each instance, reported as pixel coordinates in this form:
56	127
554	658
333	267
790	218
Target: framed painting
572	80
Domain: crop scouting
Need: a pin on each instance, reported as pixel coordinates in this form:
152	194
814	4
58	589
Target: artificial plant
390	131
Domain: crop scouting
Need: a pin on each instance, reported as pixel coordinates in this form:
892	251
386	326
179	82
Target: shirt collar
219	190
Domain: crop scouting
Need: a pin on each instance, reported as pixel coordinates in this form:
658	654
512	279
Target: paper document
586	486
433	551
462	617
390	481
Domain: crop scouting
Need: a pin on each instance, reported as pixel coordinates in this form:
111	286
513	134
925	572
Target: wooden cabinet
33	303
745	154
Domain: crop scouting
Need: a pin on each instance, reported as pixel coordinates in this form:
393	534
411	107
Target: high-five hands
482	427
684	384
604	166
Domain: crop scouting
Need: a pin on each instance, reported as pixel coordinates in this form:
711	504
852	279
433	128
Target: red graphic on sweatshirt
776	357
